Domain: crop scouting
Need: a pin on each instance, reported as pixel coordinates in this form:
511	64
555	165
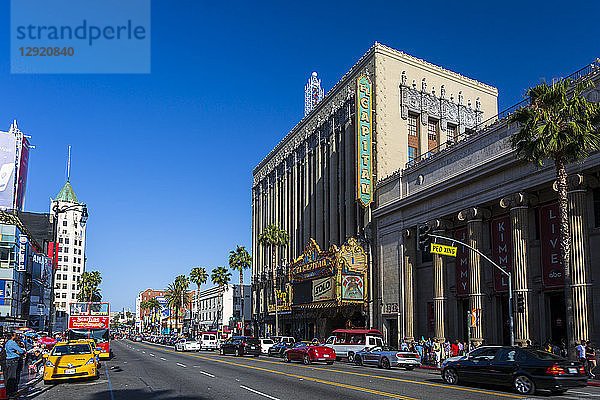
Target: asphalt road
146	371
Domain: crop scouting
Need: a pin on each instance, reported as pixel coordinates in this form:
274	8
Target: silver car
387	357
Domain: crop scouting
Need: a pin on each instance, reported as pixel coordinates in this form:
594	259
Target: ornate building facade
320	182
477	191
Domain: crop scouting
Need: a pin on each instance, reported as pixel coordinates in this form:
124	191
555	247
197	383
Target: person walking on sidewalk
13	355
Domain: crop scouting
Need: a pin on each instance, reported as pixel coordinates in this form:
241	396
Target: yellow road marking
350	373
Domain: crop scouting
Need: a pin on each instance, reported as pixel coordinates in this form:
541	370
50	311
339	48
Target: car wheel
524	385
287	358
385	363
47	382
409	368
306	359
358	360
450	376
350	357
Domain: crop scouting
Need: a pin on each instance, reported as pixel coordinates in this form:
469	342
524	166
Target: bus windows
99	309
79	308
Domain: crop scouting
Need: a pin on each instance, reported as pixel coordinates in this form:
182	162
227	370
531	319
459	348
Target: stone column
318	197
341	186
439	227
334	232
518	204
350	173
409	263
474	217
581	278
285	207
306	198
312	190
326	191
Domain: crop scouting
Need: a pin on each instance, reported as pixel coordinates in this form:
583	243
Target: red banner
501	251
88	321
552	265
462	264
53	253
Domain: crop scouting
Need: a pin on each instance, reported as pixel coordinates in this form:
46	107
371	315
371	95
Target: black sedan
278	350
241	345
525	370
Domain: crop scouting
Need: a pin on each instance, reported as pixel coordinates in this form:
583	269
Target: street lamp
57	211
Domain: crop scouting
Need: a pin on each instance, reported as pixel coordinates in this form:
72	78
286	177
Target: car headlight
91	361
49	364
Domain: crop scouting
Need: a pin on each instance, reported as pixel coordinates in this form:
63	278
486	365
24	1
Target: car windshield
71	349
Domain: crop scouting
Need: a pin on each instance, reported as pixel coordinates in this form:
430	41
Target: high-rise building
71	252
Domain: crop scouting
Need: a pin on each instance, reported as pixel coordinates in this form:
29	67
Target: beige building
478	192
316	181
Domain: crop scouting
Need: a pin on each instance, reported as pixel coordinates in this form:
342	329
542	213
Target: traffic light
423	236
520	303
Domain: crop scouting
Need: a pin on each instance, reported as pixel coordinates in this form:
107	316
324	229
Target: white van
208	341
346	342
265	345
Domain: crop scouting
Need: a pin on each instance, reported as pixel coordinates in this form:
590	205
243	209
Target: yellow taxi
73	359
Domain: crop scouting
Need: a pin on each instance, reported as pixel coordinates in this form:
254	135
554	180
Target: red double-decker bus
90	320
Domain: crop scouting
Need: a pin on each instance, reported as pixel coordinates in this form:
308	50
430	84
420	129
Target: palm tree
221	277
88	286
274	237
144	306
561	125
239	260
182	284
172	298
198	276
155	306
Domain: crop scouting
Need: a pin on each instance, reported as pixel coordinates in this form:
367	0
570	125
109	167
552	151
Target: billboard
501	251
462	264
364	140
353	287
552	263
8	153
323	289
3	293
22	261
22	172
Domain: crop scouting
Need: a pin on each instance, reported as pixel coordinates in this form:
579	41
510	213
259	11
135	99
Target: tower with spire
71	250
313	93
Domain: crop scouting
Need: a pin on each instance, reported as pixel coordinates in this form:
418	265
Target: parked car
347	342
387	357
208	341
278	349
241	345
286	339
525	370
187	345
308	352
265	345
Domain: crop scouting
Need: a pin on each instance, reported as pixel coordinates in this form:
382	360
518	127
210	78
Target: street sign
443	250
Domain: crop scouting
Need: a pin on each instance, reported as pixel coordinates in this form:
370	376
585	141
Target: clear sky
164	160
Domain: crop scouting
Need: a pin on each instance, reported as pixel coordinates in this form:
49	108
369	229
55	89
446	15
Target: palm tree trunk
565	242
275	290
242	300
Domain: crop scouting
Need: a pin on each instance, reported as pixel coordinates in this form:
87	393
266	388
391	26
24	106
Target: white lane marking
259	393
207	374
181	365
143	352
164	359
584	393
152	355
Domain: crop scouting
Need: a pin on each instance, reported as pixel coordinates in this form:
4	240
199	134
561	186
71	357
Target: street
144	371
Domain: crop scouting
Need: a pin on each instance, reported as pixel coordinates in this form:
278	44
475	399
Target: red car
309	352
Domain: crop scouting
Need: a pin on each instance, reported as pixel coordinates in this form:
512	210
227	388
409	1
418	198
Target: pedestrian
437	348
461	348
13	354
455	348
590	356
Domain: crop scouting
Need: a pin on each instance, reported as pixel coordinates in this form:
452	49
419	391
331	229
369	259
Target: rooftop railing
582	73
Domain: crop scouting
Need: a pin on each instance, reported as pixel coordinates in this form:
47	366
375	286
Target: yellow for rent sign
443	250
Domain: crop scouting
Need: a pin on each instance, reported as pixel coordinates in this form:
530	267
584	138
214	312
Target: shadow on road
140	394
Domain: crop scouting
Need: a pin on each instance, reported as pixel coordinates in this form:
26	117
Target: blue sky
164	160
